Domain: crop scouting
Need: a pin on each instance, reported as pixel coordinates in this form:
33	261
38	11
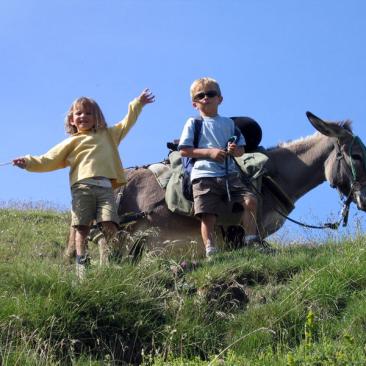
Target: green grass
305	305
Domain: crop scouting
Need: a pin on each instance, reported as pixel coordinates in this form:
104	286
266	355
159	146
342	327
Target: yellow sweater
89	154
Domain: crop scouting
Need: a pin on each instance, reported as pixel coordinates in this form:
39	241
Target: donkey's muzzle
359	196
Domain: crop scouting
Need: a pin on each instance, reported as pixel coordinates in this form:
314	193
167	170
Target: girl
91	152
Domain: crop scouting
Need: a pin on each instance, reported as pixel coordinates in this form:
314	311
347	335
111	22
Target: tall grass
305	305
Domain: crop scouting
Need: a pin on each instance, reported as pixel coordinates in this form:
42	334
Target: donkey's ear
327	128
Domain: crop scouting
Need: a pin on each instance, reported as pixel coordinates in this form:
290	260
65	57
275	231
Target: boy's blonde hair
202	83
100	121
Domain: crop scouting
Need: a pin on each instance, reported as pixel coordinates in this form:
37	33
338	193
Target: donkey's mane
292	143
347	125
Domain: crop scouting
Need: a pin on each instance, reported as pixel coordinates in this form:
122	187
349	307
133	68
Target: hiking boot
211	252
80	271
82	262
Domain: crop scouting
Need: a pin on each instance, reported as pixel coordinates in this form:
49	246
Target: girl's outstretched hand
146	97
19	162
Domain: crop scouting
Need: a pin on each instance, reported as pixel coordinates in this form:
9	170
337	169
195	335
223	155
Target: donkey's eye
356	157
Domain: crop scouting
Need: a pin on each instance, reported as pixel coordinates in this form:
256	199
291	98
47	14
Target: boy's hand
146	97
217	154
19	162
231	147
235	150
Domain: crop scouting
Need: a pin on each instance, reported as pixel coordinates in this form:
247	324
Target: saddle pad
162	173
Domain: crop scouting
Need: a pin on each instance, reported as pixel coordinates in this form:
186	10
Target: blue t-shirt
215	133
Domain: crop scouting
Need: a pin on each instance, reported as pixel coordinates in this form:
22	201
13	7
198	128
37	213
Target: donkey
333	153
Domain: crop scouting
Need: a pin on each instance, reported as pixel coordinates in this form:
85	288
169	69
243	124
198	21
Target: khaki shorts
90	203
210	192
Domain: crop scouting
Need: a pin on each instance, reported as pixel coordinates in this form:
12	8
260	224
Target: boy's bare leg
81	234
104	251
208	222
249	217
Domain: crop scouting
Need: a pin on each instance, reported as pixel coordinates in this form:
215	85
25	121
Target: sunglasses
208	94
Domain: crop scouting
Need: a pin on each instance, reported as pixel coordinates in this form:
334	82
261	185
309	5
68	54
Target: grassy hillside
302	306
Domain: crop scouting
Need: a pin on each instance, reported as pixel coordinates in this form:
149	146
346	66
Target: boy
214	167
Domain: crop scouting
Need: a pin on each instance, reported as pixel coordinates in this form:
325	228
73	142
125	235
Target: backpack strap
197	131
187	163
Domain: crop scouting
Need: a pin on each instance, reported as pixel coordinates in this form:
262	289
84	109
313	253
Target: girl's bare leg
70	250
81	237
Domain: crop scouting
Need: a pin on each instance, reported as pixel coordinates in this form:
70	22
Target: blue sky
274	60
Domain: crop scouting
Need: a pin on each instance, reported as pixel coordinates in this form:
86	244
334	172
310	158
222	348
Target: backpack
188	163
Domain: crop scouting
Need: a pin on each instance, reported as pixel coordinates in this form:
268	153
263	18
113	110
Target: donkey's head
345	168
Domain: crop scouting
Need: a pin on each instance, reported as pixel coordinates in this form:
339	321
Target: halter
354	183
363	148
340	155
347	200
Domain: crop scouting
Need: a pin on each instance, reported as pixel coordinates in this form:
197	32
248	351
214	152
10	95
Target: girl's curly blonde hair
86	102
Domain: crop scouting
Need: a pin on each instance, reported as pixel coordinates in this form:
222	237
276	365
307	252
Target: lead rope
328	225
227	179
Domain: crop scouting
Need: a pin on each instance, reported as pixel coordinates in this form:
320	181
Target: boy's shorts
90	202
210	192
